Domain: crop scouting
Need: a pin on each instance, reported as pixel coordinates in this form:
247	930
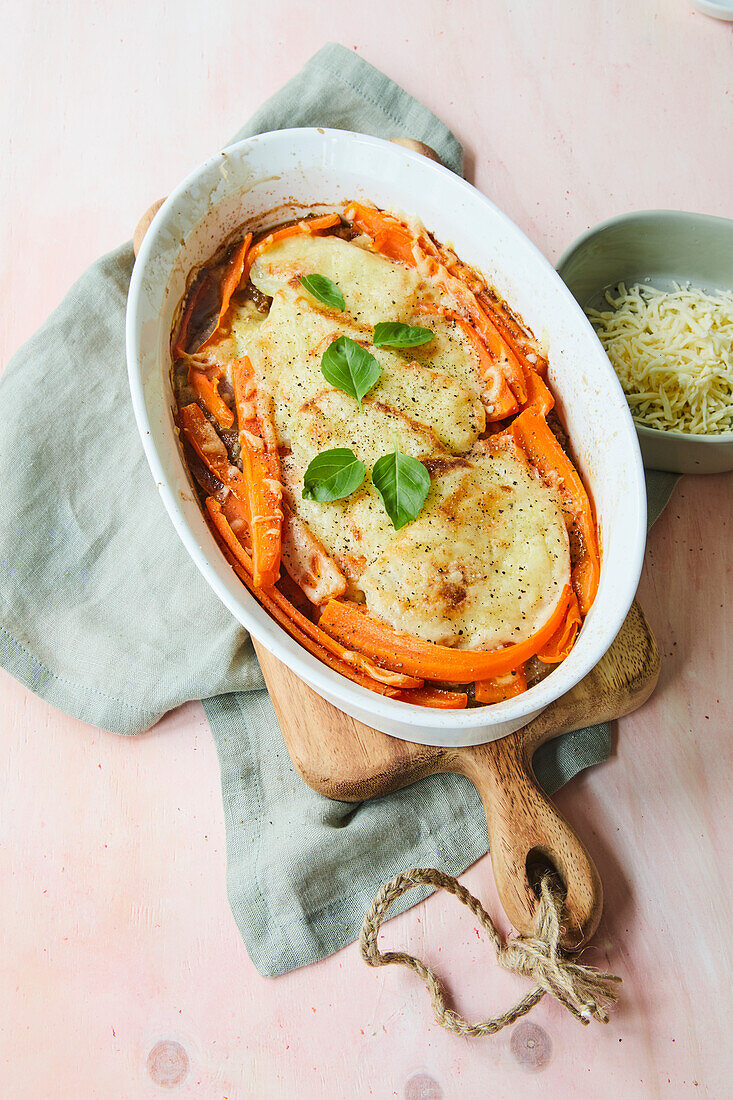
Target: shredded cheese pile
673	354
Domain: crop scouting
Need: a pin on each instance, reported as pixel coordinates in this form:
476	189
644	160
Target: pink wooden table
122	974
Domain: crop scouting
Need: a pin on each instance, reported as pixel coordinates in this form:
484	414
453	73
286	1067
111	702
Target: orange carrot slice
563	640
223	527
308	225
212	452
396	244
201	287
296	621
225	278
209	447
401	652
261	474
517	339
389	236
436	698
499	688
368	219
233	270
539	397
207	391
500	351
532	434
233	274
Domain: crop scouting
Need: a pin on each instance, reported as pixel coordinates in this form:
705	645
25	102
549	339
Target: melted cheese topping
374	288
484	562
482	565
287	350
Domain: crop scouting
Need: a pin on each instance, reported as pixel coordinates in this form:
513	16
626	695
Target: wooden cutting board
344	759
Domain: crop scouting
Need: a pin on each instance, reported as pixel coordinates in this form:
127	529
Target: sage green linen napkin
97	597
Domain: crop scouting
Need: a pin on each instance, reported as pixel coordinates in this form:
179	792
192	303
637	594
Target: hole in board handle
539	864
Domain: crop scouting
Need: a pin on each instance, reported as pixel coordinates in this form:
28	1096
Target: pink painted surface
122	974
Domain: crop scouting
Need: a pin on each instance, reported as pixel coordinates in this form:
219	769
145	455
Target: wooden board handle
526	834
341	758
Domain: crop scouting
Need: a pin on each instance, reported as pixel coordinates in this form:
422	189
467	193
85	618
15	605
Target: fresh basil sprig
349	367
392	334
332	475
403	483
324	290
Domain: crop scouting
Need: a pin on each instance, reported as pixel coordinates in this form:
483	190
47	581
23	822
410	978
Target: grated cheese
673	354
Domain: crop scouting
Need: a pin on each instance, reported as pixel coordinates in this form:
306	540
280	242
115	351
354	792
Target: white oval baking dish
268	178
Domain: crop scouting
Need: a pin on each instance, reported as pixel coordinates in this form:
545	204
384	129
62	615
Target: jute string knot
584	991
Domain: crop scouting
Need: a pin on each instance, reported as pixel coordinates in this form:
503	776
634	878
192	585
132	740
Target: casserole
432	561
271	178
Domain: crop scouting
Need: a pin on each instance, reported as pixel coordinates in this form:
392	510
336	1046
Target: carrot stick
209	447
499	688
232	278
543	451
223	527
393	649
539	397
436	698
369	219
308	225
232	274
294	620
212	452
237	516
261	475
389	236
497	396
207	391
501	352
563	640
201	286
396	243
514	335
228	275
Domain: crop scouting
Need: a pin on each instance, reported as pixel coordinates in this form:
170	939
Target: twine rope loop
584	991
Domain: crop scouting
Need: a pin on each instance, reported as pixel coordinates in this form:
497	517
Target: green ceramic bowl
662	247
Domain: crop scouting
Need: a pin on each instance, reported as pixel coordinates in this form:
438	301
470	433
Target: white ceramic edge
637	215
689	437
722	11
471	726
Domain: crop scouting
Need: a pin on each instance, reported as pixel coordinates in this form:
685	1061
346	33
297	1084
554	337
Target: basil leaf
324	290
402	483
348	367
394	335
333	474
